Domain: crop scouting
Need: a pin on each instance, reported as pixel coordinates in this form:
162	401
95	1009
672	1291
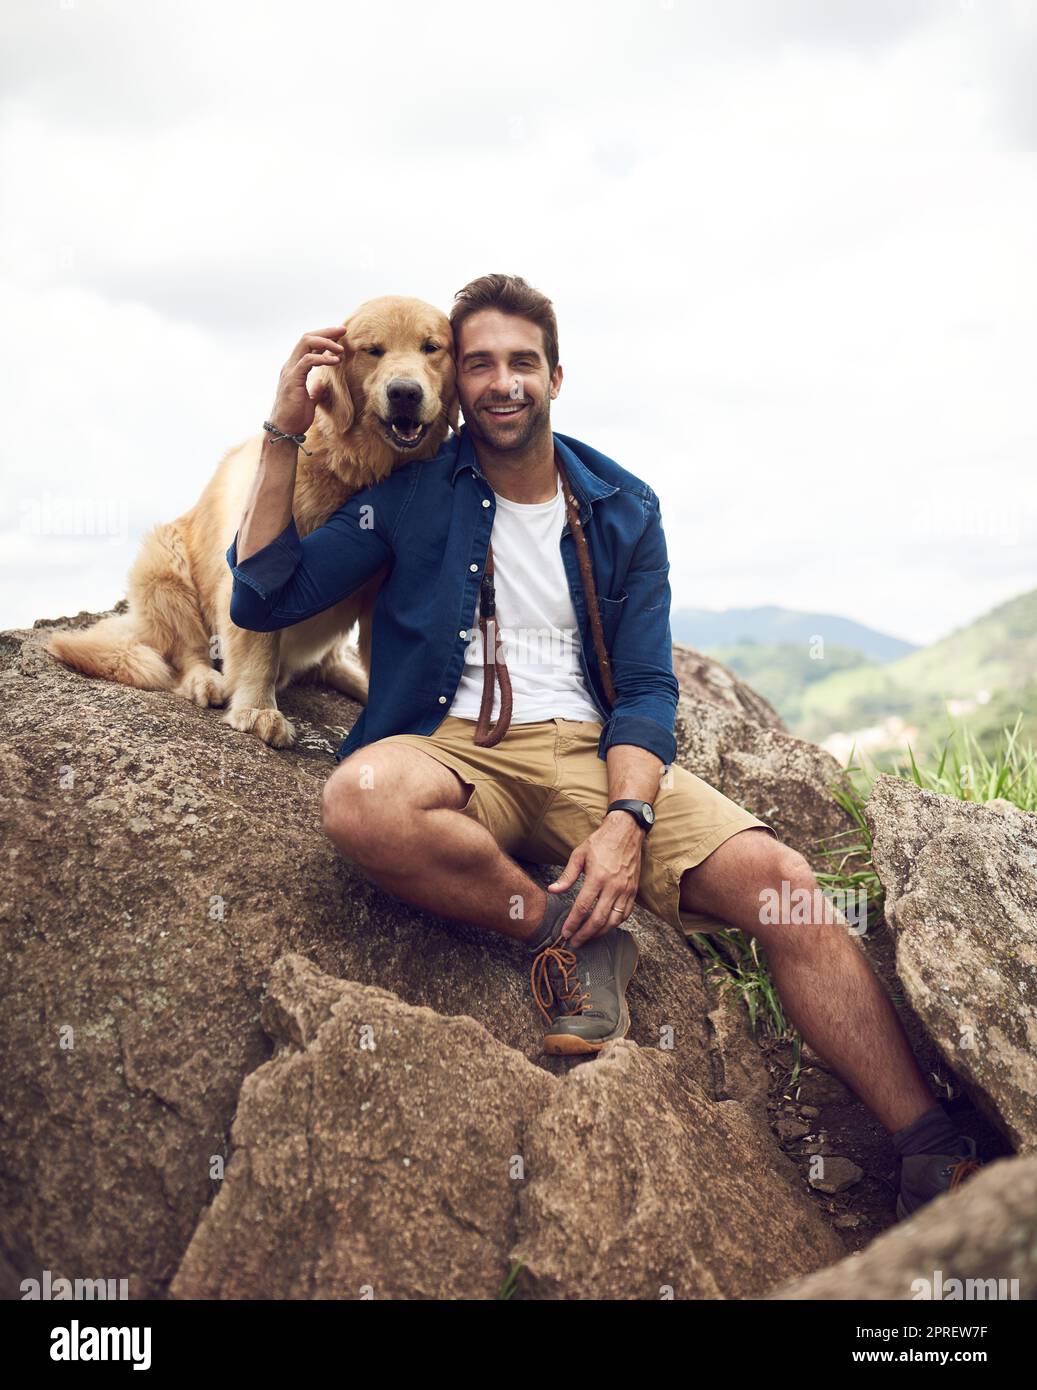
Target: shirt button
486	501
473	568
442	699
462	633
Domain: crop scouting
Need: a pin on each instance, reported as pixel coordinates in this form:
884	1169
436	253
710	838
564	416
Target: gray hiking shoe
925	1176
581	993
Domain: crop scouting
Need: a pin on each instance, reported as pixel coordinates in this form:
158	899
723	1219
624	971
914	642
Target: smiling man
513	523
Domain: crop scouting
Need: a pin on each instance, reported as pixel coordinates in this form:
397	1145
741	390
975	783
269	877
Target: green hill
982	675
785	671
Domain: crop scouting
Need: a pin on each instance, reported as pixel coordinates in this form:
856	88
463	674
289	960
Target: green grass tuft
507	1289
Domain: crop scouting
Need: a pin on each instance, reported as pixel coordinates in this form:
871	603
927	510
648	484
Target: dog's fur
179	587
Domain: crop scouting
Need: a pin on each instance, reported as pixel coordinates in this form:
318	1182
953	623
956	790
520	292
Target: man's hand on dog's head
294	408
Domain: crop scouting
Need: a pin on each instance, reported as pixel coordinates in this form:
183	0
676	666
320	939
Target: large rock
676	1196
156	864
781	779
961	896
702	678
984	1235
376	1150
388	1151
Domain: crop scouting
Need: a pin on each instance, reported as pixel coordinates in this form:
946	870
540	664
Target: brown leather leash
494	667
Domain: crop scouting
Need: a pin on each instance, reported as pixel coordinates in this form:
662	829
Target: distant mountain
784	671
769	625
983	674
866	690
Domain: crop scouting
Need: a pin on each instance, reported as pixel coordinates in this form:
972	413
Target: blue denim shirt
431	522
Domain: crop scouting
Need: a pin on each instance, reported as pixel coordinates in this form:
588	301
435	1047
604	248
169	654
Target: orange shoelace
570	994
961	1171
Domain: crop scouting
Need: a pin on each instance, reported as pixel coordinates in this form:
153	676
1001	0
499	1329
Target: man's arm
641	658
268	508
634	775
610	857
280	579
293	578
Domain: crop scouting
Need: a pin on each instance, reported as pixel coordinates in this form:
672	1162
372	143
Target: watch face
648	813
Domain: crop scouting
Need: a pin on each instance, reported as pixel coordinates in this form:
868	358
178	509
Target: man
581	776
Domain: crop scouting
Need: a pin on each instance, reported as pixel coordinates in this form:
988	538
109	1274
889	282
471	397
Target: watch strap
636	809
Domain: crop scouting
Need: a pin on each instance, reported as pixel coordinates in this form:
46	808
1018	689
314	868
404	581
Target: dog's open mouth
404	432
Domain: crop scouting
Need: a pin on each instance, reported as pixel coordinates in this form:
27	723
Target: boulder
676	1196
388	1151
960	883
785	781
702	678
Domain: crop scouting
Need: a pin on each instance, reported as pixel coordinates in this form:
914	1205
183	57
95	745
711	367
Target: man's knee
366	805
733	882
342	809
790	898
787	865
768	863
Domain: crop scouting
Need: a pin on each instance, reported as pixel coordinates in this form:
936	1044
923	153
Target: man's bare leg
395	812
822	976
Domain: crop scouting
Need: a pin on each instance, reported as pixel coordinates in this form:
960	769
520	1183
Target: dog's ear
327	386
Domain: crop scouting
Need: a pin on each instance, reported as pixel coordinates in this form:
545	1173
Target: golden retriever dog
178	589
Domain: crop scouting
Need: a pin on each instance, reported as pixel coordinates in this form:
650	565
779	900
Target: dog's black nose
404	393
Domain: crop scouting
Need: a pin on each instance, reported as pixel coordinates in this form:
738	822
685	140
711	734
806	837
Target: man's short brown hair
511	295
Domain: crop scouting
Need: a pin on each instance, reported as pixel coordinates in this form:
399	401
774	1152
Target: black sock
546	932
932	1133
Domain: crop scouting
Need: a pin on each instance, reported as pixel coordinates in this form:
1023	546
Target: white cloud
789	246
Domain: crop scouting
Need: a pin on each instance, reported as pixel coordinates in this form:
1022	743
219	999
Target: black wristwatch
640	810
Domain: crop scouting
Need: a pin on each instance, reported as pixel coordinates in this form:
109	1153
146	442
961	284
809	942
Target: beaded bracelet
299	439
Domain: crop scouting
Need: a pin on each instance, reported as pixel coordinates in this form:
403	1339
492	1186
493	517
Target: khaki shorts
543	789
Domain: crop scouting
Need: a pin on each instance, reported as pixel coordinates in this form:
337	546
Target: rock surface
184	951
157	863
783	780
388	1151
703	678
961	897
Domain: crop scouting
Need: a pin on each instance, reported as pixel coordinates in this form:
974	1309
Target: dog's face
396	380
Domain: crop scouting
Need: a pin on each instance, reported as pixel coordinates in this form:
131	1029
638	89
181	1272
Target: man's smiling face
503	382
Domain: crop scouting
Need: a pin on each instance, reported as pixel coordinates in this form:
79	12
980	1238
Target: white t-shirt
539	636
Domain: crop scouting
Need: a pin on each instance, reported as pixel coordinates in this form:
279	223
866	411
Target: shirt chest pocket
611	610
422	556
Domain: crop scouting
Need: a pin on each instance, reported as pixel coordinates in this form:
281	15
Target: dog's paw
268	724
203	686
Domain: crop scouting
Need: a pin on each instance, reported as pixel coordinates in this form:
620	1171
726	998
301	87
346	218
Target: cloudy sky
790	244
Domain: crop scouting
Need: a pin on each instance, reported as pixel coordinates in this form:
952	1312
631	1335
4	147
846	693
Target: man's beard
535	419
